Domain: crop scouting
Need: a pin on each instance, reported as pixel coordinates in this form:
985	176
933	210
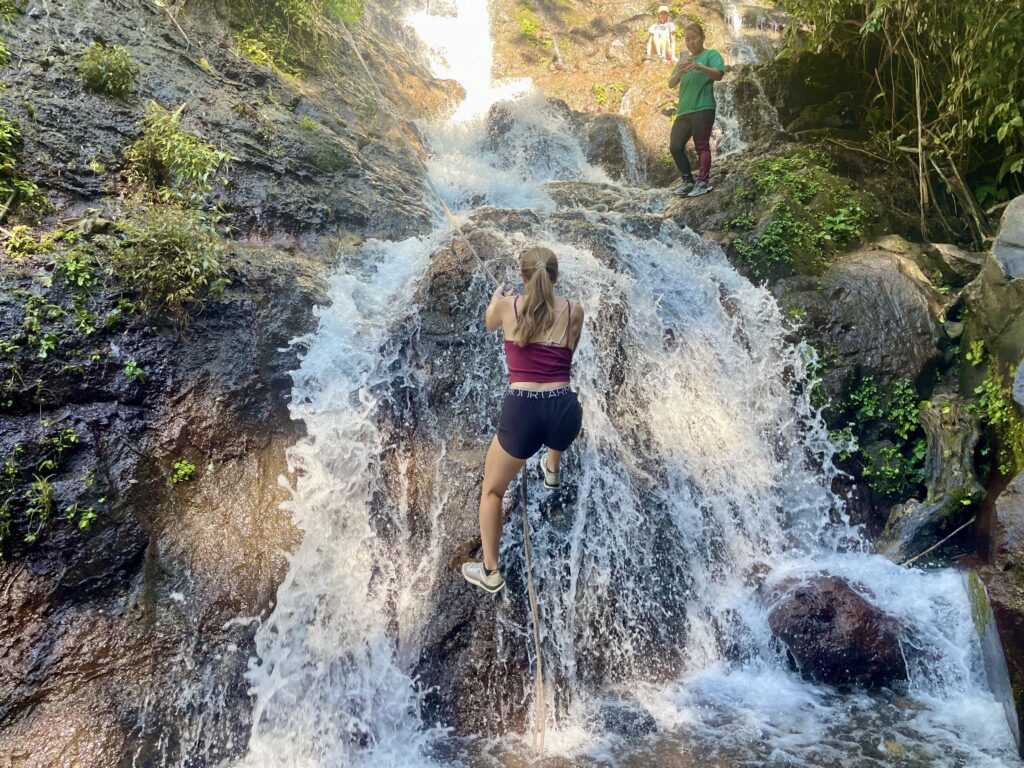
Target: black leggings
698	125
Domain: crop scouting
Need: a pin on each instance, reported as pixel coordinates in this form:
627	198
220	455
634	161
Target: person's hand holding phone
685	65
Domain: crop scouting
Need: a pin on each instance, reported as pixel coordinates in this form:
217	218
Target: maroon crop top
542	362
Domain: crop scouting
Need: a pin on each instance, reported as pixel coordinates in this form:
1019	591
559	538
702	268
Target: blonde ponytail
539	268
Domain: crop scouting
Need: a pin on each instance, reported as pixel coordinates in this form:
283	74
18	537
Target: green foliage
107	69
902	410
133	372
182	471
27	489
866	401
606	94
996	411
975	354
817	212
788	175
8	10
950	57
171	161
290	35
21	243
845	225
170	255
892	473
13	187
527	23
894	468
79	267
5	55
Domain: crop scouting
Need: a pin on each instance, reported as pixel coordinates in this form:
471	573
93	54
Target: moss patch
804	212
981	611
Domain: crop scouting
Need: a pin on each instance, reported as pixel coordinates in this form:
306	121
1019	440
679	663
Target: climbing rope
540	719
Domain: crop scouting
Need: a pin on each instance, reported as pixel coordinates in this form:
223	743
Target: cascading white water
699	459
748	45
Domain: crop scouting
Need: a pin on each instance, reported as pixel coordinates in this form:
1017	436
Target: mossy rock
805	215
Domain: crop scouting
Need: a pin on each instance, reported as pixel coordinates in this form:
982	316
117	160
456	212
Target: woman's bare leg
554	460
499	469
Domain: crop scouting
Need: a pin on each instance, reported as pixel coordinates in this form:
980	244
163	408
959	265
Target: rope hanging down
540	719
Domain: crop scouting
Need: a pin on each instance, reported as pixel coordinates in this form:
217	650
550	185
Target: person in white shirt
662	38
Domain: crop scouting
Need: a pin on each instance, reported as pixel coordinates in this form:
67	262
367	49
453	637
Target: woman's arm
576	331
709	72
494	315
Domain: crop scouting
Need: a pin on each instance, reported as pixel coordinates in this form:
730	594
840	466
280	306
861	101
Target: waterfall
754	36
701	463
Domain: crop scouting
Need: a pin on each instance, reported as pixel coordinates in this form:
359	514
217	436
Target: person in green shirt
695	112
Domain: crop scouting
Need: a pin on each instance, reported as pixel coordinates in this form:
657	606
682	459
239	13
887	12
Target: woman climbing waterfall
695	75
541	331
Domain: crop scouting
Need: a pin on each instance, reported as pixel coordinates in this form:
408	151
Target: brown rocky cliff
106	631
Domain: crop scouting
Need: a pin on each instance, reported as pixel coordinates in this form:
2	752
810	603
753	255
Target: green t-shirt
696	90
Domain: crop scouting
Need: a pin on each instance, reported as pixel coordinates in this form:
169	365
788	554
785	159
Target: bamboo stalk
937	544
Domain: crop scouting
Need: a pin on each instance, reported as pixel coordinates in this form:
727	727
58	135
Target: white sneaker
683	189
473	572
700	188
552	480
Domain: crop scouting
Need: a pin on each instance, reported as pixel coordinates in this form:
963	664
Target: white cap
663	9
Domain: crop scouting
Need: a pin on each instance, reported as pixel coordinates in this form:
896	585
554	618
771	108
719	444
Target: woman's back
546	358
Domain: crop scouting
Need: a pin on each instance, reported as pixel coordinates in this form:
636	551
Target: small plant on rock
997	411
170	255
182	471
107	69
171	161
13	188
133	372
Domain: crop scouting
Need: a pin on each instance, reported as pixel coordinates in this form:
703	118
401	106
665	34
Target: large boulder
835	636
795	83
873	313
996	297
914	526
611	144
1009	246
1001	539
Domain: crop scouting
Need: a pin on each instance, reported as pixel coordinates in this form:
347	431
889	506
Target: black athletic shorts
532	418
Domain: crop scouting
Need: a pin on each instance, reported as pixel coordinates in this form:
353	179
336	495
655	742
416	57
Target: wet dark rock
873	313
953	487
996	297
1009	245
807	79
756	119
628	720
992	653
346	169
833	635
949	264
858	506
611	144
1003	576
115	622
